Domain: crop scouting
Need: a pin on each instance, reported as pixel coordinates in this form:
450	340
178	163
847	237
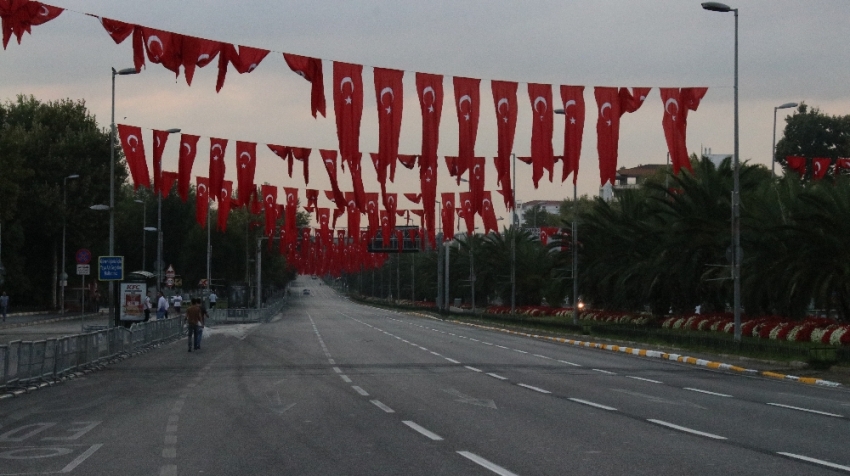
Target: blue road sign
83	256
110	268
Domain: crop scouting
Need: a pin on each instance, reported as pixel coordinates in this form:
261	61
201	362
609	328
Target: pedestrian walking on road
148	306
161	306
177	303
195	319
4	305
213	299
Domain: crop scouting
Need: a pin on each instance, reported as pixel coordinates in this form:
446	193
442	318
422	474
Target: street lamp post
574	236
159	263
144	228
122	72
773	144
736	196
63	276
514	226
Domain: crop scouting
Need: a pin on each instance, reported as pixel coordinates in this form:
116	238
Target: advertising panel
132	301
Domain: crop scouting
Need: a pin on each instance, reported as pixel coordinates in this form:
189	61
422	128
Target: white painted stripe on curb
472	368
816	461
532	387
707	392
806	410
685	429
497	376
487	464
423	431
383	407
643	379
592	404
360	390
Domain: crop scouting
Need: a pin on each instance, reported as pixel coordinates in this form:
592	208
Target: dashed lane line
497	376
699	390
606	372
642	379
423	431
532	387
686	429
472	368
360	390
487	464
592	404
383	407
817	412
815	460
451	360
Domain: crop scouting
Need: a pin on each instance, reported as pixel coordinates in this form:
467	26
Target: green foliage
811	133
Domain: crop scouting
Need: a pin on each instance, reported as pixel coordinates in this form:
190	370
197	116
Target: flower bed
812	329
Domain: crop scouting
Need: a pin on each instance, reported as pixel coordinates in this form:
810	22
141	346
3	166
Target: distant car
306	292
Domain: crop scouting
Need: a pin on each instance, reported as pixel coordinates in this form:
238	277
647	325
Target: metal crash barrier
244	315
24	363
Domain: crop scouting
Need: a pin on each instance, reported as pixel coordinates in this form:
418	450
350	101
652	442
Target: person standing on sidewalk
161	306
213	299
147	305
195	319
177	303
4	305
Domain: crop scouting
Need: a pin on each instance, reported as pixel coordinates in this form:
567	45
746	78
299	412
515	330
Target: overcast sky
789	51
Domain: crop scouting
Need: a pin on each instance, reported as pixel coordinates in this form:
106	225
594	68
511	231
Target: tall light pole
773	144
122	72
574	244
144	228
63	276
736	195
159	263
514	225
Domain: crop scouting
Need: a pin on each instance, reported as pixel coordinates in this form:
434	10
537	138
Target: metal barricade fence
24	362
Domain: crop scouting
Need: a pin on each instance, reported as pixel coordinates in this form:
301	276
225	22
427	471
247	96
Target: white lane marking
345	378
532	387
332	361
643	379
604	372
592	404
472	368
487	464
438	355
497	376
337	370
452	334
383	407
451	360
816	461
474	340
685	429
543	357
79	459
168	470
501	346
423	348
423	431
520	351
707	392
360	390
806	410
486	343
569	363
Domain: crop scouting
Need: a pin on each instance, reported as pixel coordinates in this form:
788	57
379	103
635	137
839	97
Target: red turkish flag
303	154
269	193
488	214
572	98
188	151
348	106
162	47
413	197
797	164
407	160
476	182
285	153
159	140
134	151
19	16
245	60
391	204
217	165
197	53
386	229
429	88
353	215
504	99
246	165
291	211
820	166
428	181
224	204
612	104
117	30
677	103
357	180
467	103
311	70
329	159
448	215
202	200
547	232
542	127
312	198
389	95
457	166
323	216
468	211
167	180
842	163
372	214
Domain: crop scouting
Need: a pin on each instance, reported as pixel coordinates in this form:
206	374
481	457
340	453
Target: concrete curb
656	354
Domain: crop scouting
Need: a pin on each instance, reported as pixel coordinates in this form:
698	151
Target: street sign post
83	256
83	269
110	268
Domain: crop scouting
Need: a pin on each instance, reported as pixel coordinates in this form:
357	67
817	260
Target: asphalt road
332	387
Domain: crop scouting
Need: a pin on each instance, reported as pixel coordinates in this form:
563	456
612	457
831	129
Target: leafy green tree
811	133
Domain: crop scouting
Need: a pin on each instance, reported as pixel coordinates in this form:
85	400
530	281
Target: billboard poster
132	300
238	296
